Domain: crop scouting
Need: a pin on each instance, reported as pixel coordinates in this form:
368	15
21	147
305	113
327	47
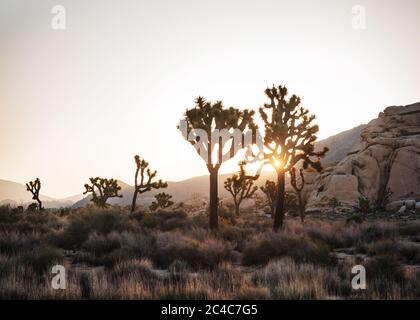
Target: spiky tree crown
146	177
209	116
240	185
102	189
34	187
163	200
289	132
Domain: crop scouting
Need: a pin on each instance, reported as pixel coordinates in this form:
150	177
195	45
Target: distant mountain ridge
15	193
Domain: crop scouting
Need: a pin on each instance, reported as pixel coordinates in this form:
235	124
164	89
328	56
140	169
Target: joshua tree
102	189
163	201
270	191
289	139
240	186
209	127
298	187
34	187
146	183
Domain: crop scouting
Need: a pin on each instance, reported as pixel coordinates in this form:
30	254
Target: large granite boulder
386	159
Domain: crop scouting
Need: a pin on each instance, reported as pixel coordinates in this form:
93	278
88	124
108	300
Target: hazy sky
81	102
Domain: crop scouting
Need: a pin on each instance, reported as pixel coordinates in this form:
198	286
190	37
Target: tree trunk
39	204
133	204
279	213
301	208
237	210
213	217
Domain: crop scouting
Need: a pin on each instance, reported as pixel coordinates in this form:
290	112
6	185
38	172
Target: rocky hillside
386	161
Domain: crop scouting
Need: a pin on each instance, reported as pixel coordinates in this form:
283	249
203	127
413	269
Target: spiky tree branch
240	186
146	182
102	189
34	187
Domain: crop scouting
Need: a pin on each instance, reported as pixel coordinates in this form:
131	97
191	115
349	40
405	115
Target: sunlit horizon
81	102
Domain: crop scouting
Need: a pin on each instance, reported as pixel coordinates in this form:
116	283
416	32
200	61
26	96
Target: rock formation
387	158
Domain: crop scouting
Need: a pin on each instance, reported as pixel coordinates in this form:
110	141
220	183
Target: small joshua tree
34	187
298	187
289	139
102	189
146	183
163	201
240	186
270	190
210	127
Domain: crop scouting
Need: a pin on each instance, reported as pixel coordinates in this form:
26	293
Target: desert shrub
334	235
290	280
42	258
355	217
179	271
100	244
411	229
165	220
261	249
8	215
136	269
406	251
101	221
225	276
12	242
364	205
227	214
171	246
377	231
384	268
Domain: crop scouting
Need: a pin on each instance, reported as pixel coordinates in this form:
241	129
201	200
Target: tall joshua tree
146	183
34	187
240	186
102	189
289	139
211	129
298	184
270	190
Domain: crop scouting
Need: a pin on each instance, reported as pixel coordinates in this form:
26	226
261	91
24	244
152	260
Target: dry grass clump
262	248
207	253
287	279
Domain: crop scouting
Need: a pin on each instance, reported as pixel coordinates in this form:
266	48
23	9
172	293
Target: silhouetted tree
146	182
102	189
270	191
240	186
298	187
289	139
34	187
163	201
210	118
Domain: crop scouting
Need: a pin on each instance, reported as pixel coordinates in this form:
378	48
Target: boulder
410	204
402	209
384	168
